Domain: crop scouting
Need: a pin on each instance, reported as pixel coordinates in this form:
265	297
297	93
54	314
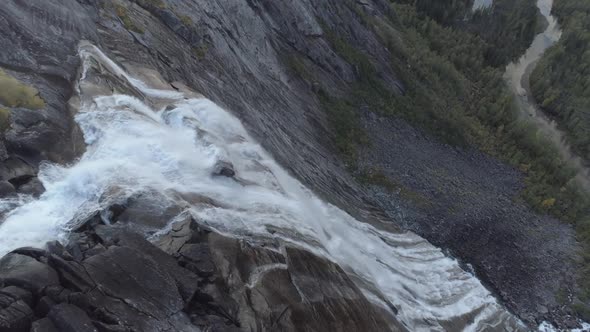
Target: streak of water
481	4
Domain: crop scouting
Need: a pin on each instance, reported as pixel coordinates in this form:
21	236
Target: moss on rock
4	119
127	21
14	93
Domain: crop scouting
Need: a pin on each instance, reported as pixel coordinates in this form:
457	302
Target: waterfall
135	147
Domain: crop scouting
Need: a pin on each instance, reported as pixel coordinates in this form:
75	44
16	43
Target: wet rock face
40	39
109	278
237	54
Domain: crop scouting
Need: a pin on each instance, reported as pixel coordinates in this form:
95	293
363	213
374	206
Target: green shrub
13	93
4	119
186	20
155	3
378	178
127	21
297	67
200	51
344	120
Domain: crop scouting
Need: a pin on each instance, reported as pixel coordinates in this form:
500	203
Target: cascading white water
132	149
481	4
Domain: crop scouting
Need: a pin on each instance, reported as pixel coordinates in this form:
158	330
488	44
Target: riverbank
518	77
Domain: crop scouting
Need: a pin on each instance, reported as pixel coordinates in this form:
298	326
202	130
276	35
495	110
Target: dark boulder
224	168
180	232
197	258
26	272
16	171
299	292
6	188
18	293
187	282
147	212
44	305
33	187
15	314
72	274
69	318
129	275
43	325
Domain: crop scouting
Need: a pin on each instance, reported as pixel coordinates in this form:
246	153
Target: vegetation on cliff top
126	19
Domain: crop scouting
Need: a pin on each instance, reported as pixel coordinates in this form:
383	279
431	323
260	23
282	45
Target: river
517	75
481	4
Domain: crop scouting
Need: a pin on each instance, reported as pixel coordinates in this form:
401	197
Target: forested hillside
452	68
561	81
507	26
561	85
456	93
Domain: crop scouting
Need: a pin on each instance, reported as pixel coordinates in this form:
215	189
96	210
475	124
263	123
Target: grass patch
297	67
344	120
200	51
378	178
4	119
186	20
153	3
127	21
14	93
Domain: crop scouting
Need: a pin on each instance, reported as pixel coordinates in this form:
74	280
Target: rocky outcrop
109	278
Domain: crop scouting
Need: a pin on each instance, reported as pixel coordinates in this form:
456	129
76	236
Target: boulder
43	325
69	318
180	232
15	314
44	305
33	187
26	272
137	279
147	212
187	282
18	293
197	258
16	171
6	188
224	168
295	292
